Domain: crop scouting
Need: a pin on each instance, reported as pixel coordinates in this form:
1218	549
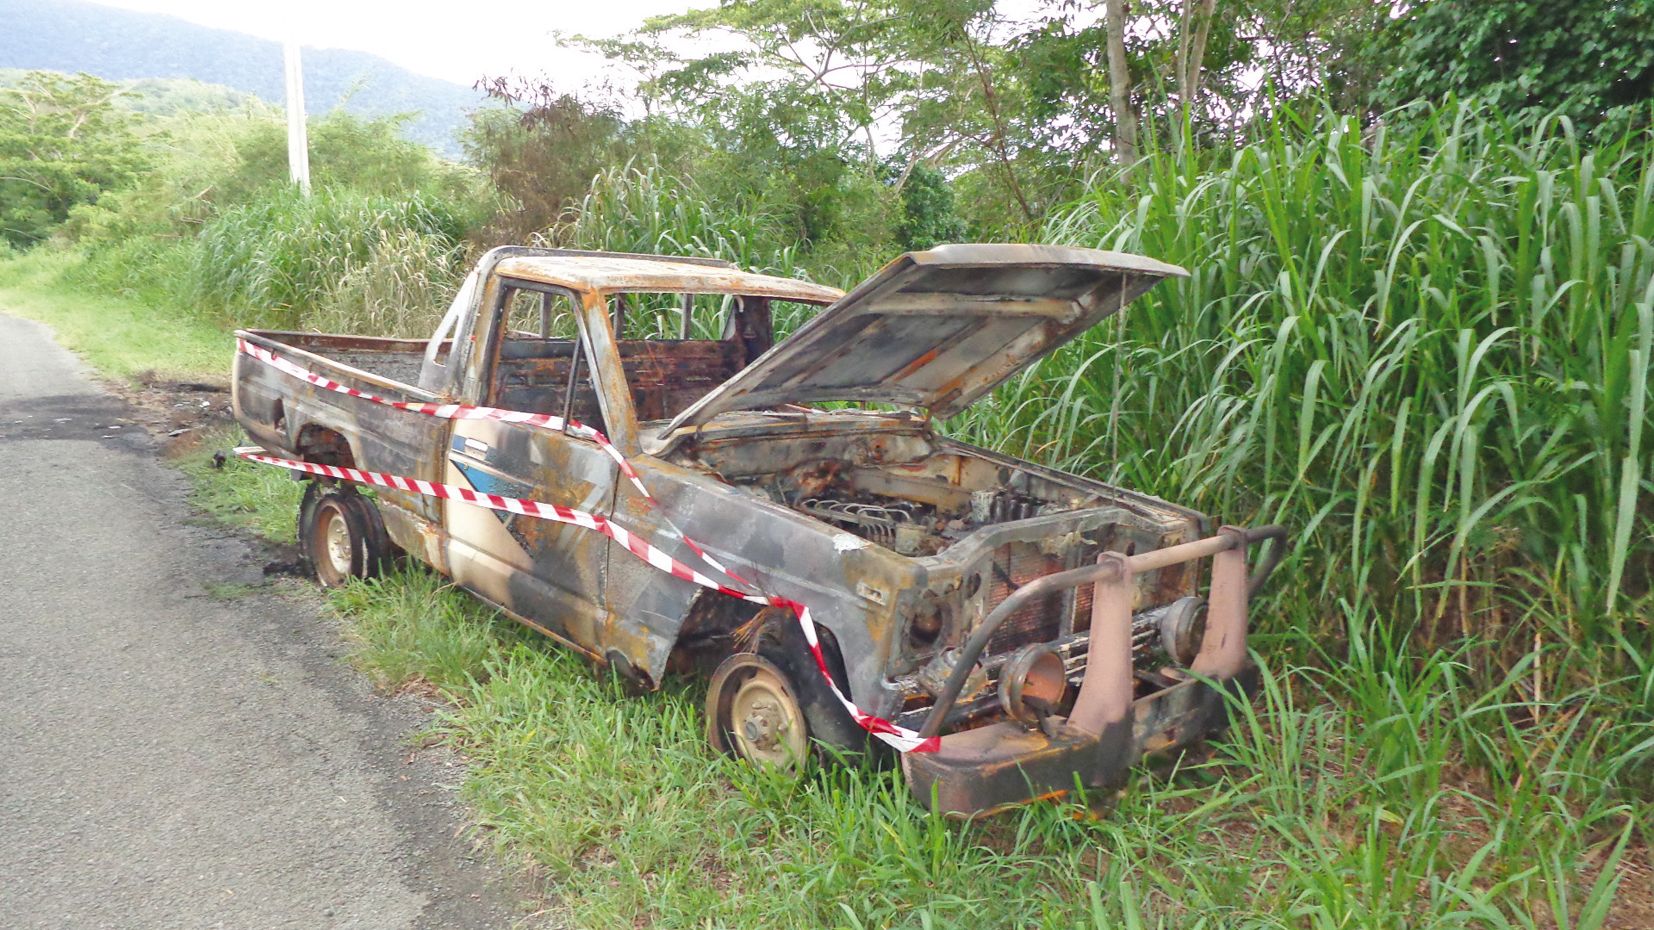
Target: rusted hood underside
940	328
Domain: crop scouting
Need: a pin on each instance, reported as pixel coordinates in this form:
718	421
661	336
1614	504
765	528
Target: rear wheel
341	535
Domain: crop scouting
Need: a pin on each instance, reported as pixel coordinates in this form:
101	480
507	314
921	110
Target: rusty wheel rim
765	722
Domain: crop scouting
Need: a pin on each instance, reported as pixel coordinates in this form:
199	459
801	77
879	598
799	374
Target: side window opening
789	315
679	317
540	315
539	364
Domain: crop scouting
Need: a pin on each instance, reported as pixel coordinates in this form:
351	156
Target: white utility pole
298	146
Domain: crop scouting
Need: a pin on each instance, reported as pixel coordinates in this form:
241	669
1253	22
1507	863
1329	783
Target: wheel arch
324	445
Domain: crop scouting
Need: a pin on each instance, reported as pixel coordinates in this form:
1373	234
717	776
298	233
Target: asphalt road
177	750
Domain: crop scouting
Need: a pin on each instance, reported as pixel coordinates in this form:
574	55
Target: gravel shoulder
183	744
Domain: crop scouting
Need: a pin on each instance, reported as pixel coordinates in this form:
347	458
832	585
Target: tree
1591	59
63	142
540	150
1195	28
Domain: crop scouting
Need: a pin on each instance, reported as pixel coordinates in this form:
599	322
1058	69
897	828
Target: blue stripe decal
488	483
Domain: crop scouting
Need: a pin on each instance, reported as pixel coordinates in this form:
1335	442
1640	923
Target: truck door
549	574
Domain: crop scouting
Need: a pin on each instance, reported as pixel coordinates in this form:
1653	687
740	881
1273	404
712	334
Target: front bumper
1002	764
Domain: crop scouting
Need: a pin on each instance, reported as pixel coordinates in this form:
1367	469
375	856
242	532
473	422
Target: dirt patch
175	412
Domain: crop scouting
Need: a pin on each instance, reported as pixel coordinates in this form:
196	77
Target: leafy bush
366	155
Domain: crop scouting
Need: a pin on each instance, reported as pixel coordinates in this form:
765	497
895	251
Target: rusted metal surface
591	272
1116	719
930	566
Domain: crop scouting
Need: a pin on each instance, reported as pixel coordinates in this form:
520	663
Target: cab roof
617	272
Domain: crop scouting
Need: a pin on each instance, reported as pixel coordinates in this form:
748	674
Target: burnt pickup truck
1040	630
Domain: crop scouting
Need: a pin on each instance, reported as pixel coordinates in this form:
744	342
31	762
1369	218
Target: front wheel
753	713
341	535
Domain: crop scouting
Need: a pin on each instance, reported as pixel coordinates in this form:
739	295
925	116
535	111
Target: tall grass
284	254
1426	348
640	207
401	288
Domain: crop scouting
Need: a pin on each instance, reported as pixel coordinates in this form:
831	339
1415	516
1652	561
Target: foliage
790	115
279	254
928	217
641	208
181	96
540	151
401	287
63	142
1428	354
367	155
1592	60
215	224
1014	108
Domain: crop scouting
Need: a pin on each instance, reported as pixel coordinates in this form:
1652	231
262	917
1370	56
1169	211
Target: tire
780	650
341	535
753	713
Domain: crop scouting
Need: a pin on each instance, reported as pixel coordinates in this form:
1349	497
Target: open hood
938	329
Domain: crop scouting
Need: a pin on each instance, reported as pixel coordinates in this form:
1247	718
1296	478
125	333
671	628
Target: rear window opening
674	348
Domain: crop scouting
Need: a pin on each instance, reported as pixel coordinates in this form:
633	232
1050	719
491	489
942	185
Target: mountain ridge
118	44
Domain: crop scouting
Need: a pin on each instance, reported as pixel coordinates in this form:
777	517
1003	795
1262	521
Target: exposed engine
916	508
918	497
902	526
907	526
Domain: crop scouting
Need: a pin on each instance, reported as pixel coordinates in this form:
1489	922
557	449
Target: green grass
120	336
241	493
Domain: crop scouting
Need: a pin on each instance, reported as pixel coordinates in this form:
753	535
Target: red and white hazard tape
900	738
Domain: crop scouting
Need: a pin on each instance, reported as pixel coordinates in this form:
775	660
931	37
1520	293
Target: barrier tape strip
899	738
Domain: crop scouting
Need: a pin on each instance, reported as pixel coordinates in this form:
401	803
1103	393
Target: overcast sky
458	42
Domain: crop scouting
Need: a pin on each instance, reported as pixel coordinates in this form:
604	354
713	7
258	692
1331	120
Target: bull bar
1005	763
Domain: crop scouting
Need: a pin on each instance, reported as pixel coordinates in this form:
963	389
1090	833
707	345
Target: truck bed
392	360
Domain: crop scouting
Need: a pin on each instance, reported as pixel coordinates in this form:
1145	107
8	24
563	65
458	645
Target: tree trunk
1119	85
1191	48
